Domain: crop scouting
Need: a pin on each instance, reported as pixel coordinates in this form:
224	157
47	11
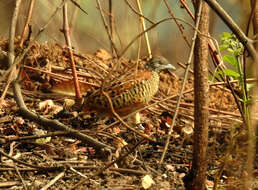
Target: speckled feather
128	94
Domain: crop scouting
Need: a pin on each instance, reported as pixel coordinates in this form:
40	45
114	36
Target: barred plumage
132	92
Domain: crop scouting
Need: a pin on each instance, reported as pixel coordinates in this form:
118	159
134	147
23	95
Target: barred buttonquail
130	93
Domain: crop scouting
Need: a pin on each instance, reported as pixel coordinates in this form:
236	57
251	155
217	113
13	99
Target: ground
63	162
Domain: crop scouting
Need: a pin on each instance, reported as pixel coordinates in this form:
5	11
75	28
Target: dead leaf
147	182
67	88
116	130
119	142
103	55
187	130
19	120
46	105
41	132
68	103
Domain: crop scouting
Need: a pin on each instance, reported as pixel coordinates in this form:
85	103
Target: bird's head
158	63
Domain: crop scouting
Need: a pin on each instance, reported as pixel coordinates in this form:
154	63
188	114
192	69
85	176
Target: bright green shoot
233	55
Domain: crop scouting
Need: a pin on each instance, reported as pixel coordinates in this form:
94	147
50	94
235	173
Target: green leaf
231	50
219	73
230	59
231	73
225	35
43	140
223	47
238	51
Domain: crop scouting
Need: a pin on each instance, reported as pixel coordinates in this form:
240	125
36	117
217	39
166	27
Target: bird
130	92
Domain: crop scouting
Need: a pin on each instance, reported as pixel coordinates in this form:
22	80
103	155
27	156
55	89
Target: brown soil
44	160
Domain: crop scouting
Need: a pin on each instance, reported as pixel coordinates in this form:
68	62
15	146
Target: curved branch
55	124
234	27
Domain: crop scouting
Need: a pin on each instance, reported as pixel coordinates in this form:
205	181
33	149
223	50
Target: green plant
233	55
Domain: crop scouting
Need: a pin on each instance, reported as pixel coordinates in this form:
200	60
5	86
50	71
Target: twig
20	176
154	25
9	80
180	27
236	100
107	30
20	162
52	182
78	5
122	121
121	170
183	86
20	102
11	54
111	24
110	164
187	9
146	107
253	9
234	27
210	109
73	18
60	76
55	124
184	66
233	81
144	28
82	175
120	157
216	58
58	133
136	12
140	34
25	29
66	32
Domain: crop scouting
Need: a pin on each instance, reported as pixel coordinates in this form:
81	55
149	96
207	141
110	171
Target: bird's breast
127	96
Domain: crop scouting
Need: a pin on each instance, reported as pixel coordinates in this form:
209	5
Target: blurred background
88	33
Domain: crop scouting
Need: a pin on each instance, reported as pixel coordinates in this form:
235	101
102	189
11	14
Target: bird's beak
168	67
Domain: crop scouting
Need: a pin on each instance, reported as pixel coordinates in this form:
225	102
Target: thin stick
11	55
234	27
18	95
182	89
21	178
19	58
78	5
74	17
20	162
25	29
180	27
122	121
139	35
106	27
144	28
110	164
216	58
187	9
52	182
55	124
111	24
66	32
146	107
120	157
136	12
